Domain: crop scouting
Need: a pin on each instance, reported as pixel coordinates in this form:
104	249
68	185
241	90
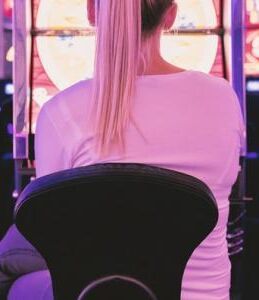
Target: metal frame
238	51
21	41
234	23
1	40
20	77
89	32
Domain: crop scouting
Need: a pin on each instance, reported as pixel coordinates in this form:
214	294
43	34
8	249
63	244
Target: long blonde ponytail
116	65
122	26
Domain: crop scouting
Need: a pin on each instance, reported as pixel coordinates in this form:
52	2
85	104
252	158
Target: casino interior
42	40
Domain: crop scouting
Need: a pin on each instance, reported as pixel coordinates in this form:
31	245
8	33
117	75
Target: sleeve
242	130
239	118
241	126
50	151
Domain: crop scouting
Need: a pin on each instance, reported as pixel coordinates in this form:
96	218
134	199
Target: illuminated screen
252	38
8	7
61	60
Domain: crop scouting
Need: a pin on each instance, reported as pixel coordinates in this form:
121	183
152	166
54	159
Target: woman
139	108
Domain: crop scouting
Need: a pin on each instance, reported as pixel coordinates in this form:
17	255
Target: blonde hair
121	25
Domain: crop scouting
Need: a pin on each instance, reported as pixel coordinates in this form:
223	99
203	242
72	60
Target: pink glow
8	9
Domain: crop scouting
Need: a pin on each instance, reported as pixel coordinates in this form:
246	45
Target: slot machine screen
252	38
8	6
64	44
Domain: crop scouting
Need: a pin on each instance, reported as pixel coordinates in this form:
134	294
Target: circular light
10	54
8	7
252	7
192	51
67	60
40	95
252	53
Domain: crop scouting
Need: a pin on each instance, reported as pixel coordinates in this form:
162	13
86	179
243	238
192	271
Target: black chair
130	220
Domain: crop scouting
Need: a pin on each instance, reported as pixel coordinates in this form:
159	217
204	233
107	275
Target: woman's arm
50	151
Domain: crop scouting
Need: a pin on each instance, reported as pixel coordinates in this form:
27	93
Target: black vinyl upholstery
116	219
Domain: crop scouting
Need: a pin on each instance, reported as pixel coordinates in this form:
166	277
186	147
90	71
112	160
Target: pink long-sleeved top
190	122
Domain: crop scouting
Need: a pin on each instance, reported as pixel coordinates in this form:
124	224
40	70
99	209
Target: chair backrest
117	288
130	220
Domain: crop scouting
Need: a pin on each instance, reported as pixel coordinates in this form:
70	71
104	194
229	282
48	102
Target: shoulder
72	96
215	90
66	111
214	97
210	82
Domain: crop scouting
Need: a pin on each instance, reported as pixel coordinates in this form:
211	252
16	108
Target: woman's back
187	121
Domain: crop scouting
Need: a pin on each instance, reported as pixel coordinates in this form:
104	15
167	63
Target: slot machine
6	90
6	39
252	41
54	48
252	74
252	93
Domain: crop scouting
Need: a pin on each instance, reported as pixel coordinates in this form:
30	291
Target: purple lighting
10	129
